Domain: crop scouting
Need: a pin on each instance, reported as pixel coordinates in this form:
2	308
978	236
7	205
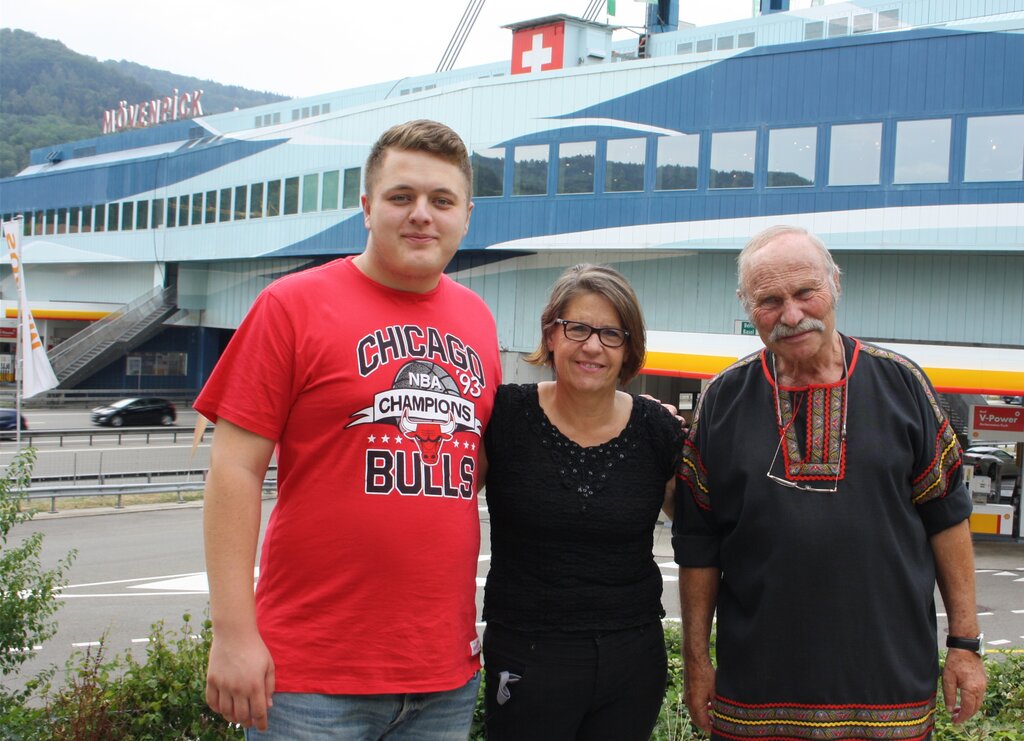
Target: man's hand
240	680
964	672
699	685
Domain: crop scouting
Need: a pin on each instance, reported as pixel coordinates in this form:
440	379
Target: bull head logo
429	436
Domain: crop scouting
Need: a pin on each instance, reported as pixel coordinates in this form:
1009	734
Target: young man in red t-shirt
373	378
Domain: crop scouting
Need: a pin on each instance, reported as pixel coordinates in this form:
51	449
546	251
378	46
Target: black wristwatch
974	645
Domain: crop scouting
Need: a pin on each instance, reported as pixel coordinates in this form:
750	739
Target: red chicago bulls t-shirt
377	399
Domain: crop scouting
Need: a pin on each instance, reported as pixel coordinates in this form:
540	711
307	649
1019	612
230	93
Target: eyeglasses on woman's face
580	332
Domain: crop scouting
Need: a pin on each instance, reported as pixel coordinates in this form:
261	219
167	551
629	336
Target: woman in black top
577	472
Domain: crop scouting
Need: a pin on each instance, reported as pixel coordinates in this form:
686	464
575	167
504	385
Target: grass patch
109	500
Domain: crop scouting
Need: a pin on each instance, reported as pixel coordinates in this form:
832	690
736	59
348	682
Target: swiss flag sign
538	48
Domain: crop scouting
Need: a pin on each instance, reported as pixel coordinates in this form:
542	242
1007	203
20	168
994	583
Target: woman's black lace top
572	528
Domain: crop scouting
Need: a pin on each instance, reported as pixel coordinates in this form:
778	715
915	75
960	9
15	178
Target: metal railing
29	437
109	329
119	491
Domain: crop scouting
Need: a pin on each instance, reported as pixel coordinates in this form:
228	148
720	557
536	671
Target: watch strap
967	644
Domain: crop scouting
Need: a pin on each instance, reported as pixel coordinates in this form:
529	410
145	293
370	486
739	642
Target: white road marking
127	581
86	644
189	583
1006	573
140	640
1000	642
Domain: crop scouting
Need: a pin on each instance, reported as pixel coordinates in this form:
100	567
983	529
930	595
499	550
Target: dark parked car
985	457
1014	400
146	410
7	417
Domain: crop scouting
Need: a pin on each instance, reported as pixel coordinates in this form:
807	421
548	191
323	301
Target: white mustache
807	324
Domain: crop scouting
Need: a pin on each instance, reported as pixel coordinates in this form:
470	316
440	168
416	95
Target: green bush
160	698
27	598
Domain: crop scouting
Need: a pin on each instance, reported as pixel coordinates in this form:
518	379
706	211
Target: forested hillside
50	94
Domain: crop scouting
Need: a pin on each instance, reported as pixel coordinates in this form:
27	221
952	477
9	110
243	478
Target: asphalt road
128	451
135	567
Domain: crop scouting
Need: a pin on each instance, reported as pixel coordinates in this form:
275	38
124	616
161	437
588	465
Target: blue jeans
428	716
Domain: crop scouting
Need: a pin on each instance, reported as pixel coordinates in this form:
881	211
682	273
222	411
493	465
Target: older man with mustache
820	500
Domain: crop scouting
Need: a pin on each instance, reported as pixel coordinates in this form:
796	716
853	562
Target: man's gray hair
765	236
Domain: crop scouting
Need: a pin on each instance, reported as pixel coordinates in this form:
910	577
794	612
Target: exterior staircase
112	336
958	408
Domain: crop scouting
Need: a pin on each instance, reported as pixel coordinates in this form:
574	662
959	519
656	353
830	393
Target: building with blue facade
894	130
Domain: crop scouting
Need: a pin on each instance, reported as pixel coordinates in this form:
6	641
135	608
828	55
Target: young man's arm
954	571
240	677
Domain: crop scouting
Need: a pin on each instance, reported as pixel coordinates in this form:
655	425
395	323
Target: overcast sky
306	47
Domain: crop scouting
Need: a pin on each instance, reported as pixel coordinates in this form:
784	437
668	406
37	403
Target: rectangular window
922	151
624	165
305	114
745	40
274	198
732	159
488	172
277	117
40	222
26	224
142	214
113	215
314	110
888	19
705	45
530	173
814	30
855	154
127	216
291	195
995	148
295	114
51	220
62	221
172	212
197	208
838	26
241	195
75	215
184	209
224	212
676	167
211	207
325	107
863	23
791	157
99	221
310	188
329	198
685	48
158	213
350	188
86	219
576	167
725	42
256	201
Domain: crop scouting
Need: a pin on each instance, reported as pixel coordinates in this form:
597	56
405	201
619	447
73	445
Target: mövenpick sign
1000	423
152	112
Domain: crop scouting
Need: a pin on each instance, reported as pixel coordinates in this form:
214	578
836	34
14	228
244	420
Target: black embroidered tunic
826	615
572	527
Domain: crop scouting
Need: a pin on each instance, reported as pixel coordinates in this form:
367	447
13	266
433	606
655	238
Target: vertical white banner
36	372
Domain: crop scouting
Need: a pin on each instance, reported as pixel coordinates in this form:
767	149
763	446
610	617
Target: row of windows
308	193
994	152
844	25
269	119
